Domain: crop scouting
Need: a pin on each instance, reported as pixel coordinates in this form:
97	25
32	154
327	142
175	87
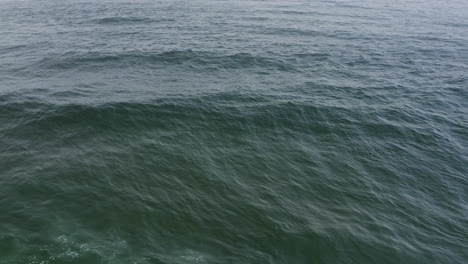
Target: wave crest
195	60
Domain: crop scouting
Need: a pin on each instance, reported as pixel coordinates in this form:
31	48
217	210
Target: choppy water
233	131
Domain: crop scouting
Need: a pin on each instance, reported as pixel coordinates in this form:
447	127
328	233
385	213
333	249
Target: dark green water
233	131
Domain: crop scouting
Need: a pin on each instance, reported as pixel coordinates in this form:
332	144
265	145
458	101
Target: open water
282	131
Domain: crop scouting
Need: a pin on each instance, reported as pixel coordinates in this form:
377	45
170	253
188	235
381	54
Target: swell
122	20
235	116
195	60
220	109
127	151
232	112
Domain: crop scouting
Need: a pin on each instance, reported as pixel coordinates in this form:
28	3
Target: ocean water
215	131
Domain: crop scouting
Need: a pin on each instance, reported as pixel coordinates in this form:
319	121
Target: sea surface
216	131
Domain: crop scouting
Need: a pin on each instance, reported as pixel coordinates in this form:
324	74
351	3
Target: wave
235	114
230	110
149	151
123	20
11	48
195	60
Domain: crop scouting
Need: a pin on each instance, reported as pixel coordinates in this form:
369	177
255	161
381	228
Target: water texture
174	131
